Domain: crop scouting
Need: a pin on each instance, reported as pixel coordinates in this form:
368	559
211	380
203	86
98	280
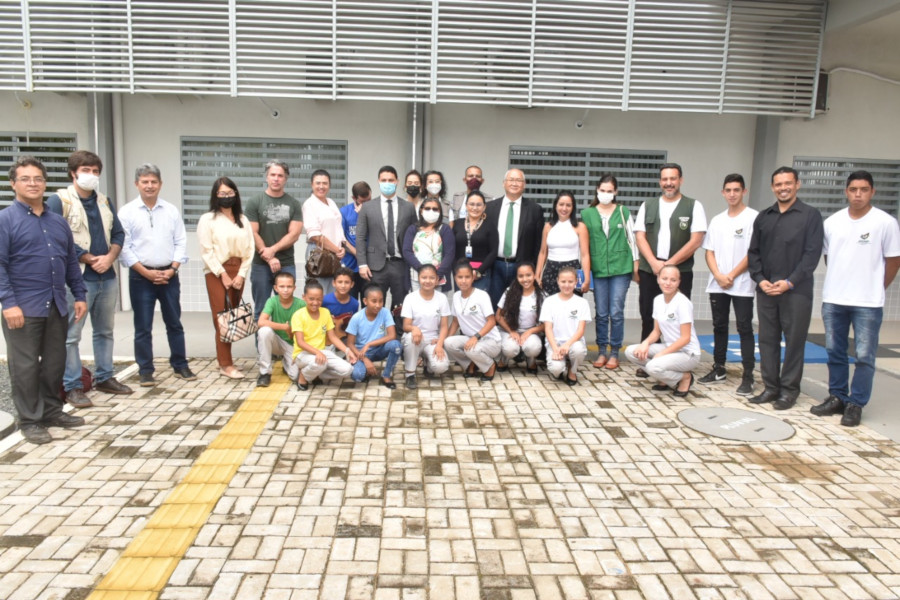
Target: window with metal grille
205	159
550	170
52	149
823	181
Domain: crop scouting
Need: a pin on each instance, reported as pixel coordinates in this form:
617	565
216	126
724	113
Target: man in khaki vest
98	240
668	230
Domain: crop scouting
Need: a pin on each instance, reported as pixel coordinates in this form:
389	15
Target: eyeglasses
226	195
37	180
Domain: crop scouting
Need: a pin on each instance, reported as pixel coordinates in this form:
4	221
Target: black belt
394	258
506	260
166	268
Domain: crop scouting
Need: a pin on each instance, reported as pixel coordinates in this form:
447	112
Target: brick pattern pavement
519	489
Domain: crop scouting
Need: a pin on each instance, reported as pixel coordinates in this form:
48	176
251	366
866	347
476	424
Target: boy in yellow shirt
313	327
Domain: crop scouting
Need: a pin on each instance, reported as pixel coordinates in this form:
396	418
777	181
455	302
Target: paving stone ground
519	489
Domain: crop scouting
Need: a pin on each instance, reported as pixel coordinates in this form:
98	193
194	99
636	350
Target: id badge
468	251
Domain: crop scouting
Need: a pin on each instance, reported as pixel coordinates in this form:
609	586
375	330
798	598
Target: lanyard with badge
469	232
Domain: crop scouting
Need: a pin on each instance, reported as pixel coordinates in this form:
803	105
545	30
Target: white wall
48	112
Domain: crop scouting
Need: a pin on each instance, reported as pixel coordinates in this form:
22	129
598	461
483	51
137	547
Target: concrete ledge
7	424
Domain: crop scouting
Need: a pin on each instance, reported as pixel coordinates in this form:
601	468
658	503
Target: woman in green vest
614	262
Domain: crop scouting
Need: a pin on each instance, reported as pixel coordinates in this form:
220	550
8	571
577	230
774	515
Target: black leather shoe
411	382
831	405
113	386
660	387
852	415
683	393
640	372
63	420
763	398
389	384
784	403
36	434
264	380
78	399
186	374
147	380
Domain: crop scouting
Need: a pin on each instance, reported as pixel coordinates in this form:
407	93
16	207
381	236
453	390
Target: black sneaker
852	415
716	375
147	380
63	420
36	434
113	386
264	380
746	387
411	382
185	373
831	405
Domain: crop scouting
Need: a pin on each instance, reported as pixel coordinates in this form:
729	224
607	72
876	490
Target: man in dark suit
379	233
519	223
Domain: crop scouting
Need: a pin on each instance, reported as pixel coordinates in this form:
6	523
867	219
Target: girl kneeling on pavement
313	327
517	317
426	316
473	317
565	317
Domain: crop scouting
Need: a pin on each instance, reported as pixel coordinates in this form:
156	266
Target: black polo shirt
787	245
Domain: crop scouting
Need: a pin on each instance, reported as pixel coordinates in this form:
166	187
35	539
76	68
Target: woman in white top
565	243
672	349
226	245
517	317
323	222
565	317
478	344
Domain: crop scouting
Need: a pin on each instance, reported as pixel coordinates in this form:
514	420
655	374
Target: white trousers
510	348
334	368
576	355
483	354
412	352
667	369
268	342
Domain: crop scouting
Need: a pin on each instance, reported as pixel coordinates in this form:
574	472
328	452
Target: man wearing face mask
379	234
473	181
98	240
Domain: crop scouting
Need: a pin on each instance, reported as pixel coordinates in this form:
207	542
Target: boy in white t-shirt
565	317
426	316
478	344
862	251
672	349
726	242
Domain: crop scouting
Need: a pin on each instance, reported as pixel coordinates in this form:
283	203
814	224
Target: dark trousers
743	315
648	289
787	314
37	359
392	278
502	274
144	296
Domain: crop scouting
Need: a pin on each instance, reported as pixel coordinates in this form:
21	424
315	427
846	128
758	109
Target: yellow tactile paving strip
150	559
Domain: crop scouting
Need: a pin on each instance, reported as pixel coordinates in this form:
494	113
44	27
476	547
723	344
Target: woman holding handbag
226	245
614	263
324	230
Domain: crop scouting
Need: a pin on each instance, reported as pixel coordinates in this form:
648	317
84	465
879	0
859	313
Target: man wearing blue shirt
37	248
155	247
98	241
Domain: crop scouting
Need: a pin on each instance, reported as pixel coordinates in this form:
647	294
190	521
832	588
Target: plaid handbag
236	322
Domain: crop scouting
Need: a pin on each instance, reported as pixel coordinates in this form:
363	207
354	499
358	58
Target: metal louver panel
52	149
824	179
731	56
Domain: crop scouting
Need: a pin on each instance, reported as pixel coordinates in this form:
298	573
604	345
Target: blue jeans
144	295
502	274
485	283
609	304
866	323
101	304
262	280
389	353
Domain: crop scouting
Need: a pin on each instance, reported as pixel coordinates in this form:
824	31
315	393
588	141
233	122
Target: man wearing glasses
37	249
155	248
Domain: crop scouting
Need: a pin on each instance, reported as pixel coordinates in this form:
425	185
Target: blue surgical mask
387	188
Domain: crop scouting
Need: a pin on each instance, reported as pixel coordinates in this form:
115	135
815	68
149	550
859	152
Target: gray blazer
371	238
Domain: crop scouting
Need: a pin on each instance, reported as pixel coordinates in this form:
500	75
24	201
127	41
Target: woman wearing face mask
429	242
226	246
614	263
323	222
477	240
436	190
414	189
564	244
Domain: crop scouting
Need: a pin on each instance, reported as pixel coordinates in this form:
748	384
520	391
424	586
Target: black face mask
413	190
225	202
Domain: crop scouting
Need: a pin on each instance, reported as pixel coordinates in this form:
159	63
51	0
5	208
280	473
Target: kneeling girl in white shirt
565	317
517	318
473	317
426	317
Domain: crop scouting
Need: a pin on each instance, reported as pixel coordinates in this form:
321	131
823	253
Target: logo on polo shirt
573	314
670	317
864	239
739	233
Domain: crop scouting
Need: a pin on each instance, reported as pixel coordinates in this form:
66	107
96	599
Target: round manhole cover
736	424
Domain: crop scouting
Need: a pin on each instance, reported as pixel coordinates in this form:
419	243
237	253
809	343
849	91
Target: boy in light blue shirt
373	333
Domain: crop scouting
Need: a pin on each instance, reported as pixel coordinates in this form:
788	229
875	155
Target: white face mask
431	216
87	181
433	188
605	197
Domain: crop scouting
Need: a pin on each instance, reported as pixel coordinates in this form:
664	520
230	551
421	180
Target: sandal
612	363
231	372
601	361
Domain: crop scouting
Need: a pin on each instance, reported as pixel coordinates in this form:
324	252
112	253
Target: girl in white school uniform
426	317
473	340
672	349
565	317
517	317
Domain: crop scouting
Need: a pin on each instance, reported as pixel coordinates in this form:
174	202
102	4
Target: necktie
508	237
390	228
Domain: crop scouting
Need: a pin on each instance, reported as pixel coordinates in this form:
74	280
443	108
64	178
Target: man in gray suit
382	223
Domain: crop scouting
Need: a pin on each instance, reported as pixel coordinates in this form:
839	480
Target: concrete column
418	139
765	151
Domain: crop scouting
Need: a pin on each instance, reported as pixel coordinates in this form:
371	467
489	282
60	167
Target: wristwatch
477	336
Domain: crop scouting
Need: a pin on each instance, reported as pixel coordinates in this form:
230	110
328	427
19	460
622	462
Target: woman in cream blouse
226	244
